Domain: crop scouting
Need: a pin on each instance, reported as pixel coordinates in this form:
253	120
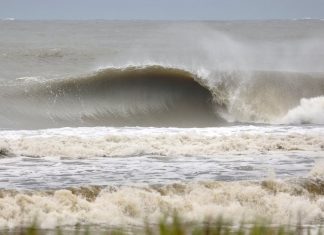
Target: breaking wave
121	142
161	96
280	202
309	111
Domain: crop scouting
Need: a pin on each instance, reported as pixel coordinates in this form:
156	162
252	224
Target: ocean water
111	123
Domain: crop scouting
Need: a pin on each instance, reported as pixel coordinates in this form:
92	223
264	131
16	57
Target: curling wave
158	96
150	96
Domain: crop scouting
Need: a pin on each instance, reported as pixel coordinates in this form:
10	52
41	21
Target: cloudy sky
162	9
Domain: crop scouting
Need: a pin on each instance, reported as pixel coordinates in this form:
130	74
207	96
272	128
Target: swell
163	97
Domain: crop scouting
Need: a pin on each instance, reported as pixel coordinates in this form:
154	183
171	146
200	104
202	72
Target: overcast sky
162	9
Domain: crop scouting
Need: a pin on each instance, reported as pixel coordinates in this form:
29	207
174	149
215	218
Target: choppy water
108	123
121	156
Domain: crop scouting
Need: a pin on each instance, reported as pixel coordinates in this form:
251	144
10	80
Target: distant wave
159	96
8	19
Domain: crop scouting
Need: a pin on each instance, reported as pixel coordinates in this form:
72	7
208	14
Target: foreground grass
176	227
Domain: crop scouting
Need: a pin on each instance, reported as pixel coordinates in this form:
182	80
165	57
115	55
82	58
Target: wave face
162	96
150	96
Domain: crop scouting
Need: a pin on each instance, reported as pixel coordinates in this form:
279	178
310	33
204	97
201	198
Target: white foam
273	200
318	170
110	142
309	111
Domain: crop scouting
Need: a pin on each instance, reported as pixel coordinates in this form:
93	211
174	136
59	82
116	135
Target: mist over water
111	122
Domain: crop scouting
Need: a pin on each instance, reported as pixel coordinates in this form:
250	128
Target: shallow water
121	156
33	173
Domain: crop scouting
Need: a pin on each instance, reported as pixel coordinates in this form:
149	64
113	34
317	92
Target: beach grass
176	227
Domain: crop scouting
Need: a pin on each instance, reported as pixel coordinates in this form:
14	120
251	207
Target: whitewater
112	123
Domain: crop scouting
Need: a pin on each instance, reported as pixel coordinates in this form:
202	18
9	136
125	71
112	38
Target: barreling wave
158	96
150	96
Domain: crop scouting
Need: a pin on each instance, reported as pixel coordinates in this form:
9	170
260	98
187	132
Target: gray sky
162	9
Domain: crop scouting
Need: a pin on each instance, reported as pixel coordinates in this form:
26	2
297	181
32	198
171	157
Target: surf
159	96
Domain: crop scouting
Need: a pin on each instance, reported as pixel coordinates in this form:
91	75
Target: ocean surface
108	123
